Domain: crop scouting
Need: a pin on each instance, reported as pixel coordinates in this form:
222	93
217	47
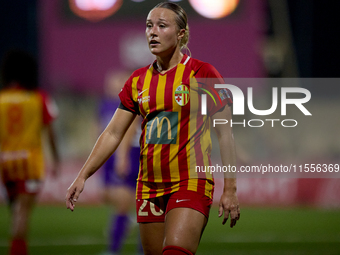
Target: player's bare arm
229	202
106	144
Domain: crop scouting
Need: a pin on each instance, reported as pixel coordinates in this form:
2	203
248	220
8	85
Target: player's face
162	32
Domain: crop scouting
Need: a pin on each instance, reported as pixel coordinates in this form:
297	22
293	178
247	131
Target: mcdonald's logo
159	127
162	129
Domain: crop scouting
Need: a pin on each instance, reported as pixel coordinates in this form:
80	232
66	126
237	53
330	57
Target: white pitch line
271	238
234	239
61	242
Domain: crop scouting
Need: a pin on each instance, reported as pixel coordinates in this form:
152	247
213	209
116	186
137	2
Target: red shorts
22	187
155	209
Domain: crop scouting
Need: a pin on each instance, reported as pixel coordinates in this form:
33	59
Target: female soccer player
25	112
173	201
120	171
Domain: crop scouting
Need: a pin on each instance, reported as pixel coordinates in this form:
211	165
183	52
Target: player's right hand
73	193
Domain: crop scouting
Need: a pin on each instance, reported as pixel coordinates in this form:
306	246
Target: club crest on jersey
182	95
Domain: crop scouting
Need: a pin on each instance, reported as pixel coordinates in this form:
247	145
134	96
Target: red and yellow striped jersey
23	114
175	135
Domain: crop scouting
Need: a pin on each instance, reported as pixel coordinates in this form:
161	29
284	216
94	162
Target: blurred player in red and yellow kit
24	113
173	201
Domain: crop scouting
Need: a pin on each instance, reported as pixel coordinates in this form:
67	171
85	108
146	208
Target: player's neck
166	63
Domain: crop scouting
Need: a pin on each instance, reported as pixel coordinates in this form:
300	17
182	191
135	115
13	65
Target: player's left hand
229	205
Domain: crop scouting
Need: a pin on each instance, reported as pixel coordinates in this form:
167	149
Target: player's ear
180	34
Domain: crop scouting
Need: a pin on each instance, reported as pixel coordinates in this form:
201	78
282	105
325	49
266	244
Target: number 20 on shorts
149	207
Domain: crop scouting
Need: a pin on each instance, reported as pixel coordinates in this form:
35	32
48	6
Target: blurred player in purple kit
120	171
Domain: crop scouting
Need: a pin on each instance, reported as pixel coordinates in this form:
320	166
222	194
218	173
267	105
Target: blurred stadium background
77	48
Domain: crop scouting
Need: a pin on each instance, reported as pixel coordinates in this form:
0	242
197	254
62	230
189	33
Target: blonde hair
181	21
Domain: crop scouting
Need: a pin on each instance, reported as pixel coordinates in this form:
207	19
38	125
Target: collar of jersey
184	60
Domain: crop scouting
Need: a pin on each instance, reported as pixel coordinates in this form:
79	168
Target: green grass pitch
55	230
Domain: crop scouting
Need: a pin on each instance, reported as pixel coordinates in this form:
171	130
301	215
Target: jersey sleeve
50	109
126	96
217	99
